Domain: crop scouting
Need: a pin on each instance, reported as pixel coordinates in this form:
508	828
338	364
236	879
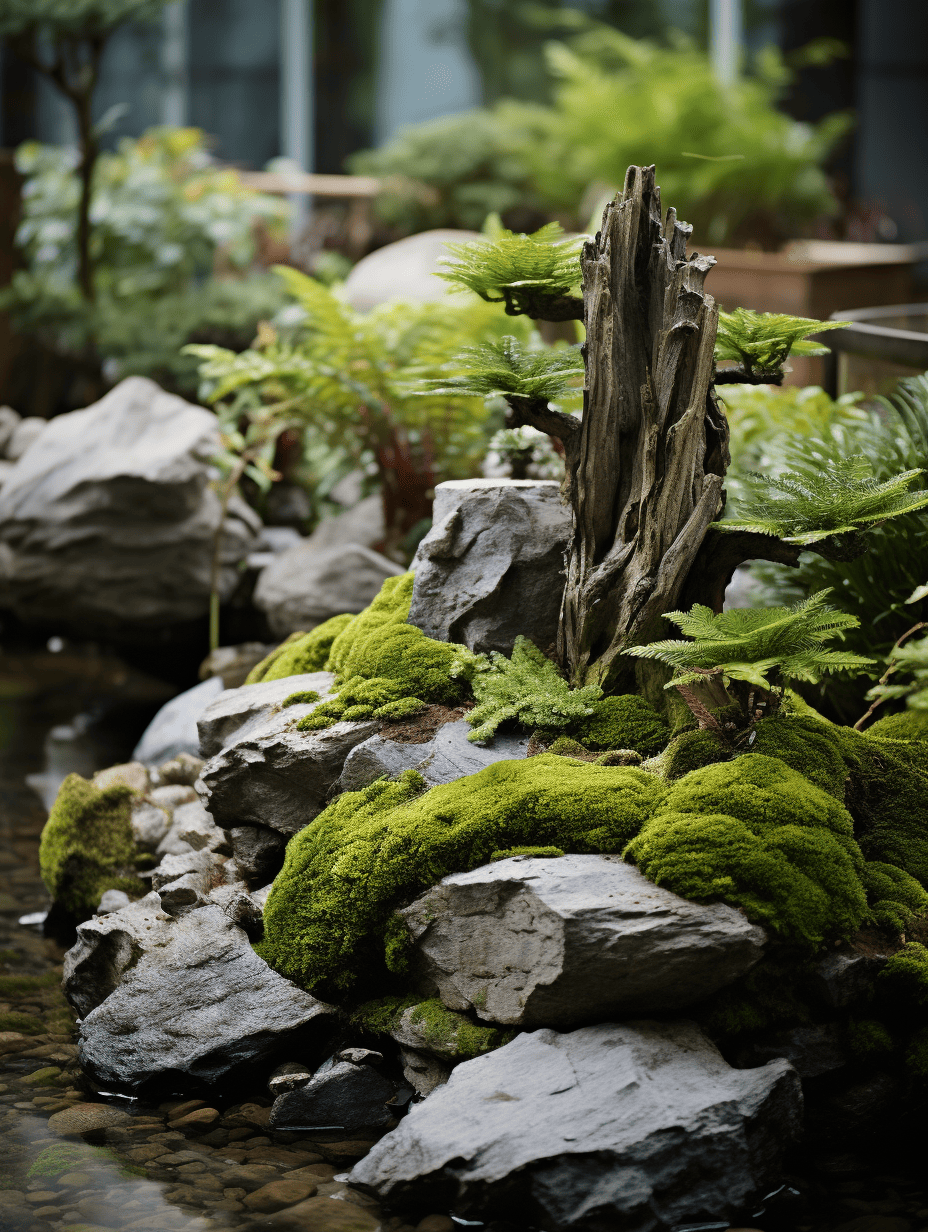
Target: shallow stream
74	1161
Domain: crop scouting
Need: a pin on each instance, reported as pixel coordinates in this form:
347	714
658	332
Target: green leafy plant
761	342
525	272
527	687
841	501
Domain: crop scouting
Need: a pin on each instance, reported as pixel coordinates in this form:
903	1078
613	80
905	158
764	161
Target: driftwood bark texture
646	468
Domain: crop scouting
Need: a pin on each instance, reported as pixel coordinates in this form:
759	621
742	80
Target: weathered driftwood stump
646	467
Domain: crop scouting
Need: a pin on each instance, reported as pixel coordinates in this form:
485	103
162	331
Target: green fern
528	688
509	267
507	367
761	342
751	643
842	498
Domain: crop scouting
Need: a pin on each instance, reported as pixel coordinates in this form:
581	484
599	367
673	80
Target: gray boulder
234	714
200	1007
343	1101
449	755
492	566
572	939
108	521
306	585
277	776
641	1126
173	730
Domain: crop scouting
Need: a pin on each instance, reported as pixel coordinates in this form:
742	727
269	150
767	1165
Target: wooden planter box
814	278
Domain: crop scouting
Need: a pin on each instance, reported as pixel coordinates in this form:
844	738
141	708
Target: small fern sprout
532	274
528	688
761	342
757	647
839	503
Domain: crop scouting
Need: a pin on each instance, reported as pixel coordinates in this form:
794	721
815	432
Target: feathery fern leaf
762	341
504	366
842	498
498	269
750	643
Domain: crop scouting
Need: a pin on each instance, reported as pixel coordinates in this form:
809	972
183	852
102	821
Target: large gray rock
234	714
492	566
277	776
306	585
449	755
641	1126
108	520
199	1008
173	730
573	939
345	1100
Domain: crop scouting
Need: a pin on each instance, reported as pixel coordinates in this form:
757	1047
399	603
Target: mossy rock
370	852
87	846
301	653
907	725
757	835
623	722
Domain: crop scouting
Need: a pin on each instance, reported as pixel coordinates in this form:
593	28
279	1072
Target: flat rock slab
445	758
277	776
573	939
236	713
640	1127
492	566
197	1009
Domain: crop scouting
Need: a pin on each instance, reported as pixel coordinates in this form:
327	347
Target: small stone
278	1194
193	1120
86	1118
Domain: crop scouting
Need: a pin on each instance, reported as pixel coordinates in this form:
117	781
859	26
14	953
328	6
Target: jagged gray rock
200	1007
306	585
279	777
641	1126
572	939
345	1100
108	519
235	713
446	757
492	566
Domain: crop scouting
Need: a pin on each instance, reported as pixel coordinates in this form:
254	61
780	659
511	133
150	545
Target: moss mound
624	722
387	668
87	847
759	836
372	851
907	725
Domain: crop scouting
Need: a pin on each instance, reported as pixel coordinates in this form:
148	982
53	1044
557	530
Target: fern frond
750	643
504	367
842	498
762	341
542	261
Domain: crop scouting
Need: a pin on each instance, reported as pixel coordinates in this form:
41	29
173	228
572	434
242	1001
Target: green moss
454	1036
624	722
691	750
372	851
565	746
527	851
896	900
25	1024
55	1160
386	668
87	847
907	725
755	834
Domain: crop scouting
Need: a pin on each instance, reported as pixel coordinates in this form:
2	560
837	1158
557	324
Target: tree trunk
646	474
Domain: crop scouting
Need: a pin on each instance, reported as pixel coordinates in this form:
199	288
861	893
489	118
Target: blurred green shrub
731	163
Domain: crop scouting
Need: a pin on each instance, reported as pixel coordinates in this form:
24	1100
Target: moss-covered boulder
328	918
87	846
758	835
